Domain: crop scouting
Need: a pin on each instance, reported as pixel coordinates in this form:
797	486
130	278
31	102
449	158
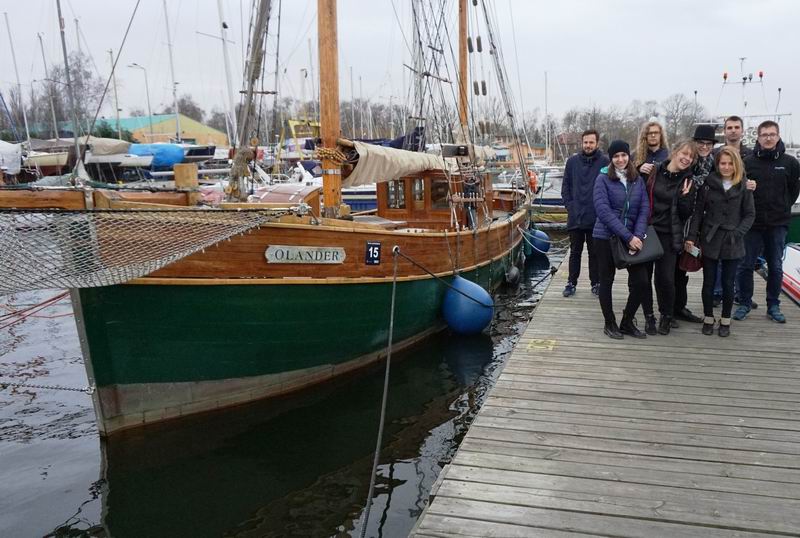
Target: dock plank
679	435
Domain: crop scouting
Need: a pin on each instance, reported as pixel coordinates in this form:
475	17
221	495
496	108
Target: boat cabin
423	201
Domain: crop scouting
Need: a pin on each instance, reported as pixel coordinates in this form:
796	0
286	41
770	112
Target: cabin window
439	190
419	194
397	194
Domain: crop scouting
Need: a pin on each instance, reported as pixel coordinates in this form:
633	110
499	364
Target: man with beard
777	177
576	191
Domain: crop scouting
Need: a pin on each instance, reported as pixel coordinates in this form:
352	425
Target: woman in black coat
723	214
669	187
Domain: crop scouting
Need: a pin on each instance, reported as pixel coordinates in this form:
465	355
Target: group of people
725	206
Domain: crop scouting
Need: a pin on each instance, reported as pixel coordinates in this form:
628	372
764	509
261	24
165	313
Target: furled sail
377	164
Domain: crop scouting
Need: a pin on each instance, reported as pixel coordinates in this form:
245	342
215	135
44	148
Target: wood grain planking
683	435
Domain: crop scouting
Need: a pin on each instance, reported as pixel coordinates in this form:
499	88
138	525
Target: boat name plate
302	254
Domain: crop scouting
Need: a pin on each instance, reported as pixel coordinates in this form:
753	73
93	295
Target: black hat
705	132
618	146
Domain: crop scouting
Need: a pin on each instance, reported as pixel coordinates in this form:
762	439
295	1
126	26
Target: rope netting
45	249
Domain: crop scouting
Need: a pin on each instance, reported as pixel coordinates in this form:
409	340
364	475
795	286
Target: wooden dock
673	436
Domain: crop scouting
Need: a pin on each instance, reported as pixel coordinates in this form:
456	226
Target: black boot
612	331
708	325
628	326
725	327
664	325
650	325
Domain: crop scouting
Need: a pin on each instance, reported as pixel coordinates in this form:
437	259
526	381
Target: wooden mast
463	81
329	103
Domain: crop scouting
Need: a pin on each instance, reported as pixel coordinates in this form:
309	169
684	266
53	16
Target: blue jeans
772	240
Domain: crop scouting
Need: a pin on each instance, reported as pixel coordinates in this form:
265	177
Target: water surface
299	466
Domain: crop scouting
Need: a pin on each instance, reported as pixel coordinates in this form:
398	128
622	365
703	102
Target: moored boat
183	309
791	272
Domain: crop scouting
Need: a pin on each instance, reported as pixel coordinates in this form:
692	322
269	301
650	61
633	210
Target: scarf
702	169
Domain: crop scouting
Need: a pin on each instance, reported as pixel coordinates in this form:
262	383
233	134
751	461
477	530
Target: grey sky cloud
606	53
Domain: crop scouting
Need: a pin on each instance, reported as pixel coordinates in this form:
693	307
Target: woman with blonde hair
651	148
723	214
669	186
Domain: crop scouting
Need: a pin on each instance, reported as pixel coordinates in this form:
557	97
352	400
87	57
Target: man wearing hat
704	137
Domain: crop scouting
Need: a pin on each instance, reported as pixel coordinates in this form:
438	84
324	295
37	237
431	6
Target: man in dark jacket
734	131
777	177
576	192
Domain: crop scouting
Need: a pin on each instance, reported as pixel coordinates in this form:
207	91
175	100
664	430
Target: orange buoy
533	181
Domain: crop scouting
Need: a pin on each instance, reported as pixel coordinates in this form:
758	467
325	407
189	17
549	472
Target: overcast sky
595	52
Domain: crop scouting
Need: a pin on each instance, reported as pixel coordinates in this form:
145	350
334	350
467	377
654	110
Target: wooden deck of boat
679	435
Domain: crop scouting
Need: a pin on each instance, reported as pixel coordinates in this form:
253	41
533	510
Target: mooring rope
395	252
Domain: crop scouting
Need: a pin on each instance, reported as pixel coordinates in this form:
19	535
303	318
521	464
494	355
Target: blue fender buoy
540	241
463	314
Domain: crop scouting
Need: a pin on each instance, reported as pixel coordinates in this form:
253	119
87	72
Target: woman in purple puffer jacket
622	208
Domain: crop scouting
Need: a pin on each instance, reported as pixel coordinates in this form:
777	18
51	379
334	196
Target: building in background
192	131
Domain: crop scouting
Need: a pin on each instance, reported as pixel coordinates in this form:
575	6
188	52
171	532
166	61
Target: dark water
296	467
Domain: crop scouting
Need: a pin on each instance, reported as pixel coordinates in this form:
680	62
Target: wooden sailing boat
299	299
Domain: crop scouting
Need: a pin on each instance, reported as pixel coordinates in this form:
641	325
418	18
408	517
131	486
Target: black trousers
576	239
681	294
709	278
638	282
664	269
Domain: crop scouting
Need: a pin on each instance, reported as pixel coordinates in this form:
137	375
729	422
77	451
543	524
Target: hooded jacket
721	219
663	189
777	177
577	188
609	204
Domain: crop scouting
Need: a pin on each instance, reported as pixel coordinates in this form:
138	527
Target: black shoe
628	326
724	330
650	325
673	323
612	331
664	325
686	315
708	328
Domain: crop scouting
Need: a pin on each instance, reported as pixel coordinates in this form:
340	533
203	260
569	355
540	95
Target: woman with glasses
704	139
651	148
723	214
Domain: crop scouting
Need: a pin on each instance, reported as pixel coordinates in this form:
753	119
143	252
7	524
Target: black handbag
651	250
651	247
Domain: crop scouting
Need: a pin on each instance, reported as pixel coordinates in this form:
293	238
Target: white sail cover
98	145
377	164
10	158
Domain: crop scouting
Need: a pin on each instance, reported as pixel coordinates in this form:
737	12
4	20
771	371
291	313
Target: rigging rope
382	421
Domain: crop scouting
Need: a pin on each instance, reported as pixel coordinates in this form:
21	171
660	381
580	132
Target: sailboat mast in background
226	60
69	84
49	88
174	84
19	85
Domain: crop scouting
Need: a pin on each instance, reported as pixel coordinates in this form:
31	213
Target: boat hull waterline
162	347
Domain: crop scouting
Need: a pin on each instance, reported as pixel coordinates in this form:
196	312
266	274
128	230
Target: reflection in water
300	466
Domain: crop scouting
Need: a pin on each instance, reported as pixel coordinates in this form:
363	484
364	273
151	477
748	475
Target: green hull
159	351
